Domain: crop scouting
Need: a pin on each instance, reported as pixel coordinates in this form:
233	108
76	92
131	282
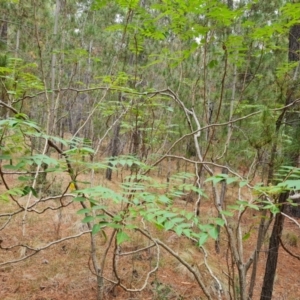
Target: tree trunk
268	284
114	149
222	201
3	35
267	289
54	98
294	45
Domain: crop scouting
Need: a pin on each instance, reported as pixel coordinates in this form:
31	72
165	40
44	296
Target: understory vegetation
149	149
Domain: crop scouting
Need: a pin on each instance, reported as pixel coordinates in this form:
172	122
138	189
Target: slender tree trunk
222	201
263	226
114	148
54	99
3	35
230	4
269	278
3	63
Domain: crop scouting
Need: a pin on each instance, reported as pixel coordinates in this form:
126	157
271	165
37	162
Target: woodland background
140	138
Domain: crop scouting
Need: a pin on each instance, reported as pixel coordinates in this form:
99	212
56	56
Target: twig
181	260
6	223
8	188
49	208
288	251
148	273
293	220
136	251
36	250
33	186
220	288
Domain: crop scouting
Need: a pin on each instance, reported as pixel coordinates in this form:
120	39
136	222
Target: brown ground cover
64	270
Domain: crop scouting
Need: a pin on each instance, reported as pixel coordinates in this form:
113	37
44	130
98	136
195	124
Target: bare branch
36	250
290	218
136	251
148	273
287	250
181	260
220	288
33	186
6	223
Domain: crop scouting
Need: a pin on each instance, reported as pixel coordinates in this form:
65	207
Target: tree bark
294	45
3	35
269	277
114	148
271	266
54	98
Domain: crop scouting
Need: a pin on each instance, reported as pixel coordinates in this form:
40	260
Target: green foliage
286	180
18	77
222	177
144	198
286	175
160	69
18	192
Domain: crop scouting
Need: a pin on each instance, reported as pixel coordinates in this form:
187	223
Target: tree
196	84
271	264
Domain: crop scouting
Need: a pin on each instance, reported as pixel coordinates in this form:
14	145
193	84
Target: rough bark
271	265
294	45
274	243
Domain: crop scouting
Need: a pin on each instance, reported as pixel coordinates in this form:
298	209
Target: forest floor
64	270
